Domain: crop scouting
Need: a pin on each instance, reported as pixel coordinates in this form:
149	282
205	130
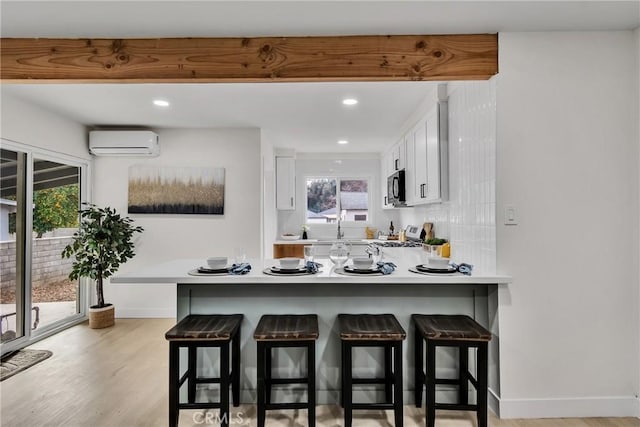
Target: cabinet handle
292	202
385	201
395	163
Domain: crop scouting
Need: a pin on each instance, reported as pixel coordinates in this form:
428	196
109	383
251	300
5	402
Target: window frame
339	178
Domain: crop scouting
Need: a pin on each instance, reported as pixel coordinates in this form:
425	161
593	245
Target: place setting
440	266
365	266
290	266
218	266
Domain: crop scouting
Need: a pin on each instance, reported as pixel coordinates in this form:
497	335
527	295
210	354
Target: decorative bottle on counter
304	235
391	229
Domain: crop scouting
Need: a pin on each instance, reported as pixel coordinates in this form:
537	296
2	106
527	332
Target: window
330	199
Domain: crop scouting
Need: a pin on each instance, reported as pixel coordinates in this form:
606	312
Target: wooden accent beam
264	59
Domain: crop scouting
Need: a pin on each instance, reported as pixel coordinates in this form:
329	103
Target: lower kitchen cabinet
287	250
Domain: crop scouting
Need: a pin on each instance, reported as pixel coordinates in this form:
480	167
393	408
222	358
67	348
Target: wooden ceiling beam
263	59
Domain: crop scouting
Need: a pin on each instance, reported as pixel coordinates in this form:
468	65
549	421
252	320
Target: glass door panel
56	200
12	231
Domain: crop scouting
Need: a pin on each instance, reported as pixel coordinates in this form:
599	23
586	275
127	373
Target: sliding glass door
13	165
41	195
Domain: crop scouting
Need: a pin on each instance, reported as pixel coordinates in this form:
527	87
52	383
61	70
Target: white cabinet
399	155
386	168
409	169
285	183
427	168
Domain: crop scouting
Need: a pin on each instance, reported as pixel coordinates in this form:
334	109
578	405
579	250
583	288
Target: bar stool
372	330
222	331
451	331
279	331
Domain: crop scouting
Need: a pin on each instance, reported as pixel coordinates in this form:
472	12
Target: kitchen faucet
340	233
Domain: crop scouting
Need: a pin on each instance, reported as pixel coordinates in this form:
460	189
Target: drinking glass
239	256
308	253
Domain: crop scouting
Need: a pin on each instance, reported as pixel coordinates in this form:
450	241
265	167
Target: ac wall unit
124	143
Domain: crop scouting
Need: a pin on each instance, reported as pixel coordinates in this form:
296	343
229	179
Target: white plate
294	237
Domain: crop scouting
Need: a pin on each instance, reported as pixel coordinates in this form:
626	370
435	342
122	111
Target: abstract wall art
176	190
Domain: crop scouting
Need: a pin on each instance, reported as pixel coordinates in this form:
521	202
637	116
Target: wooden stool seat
450	327
287	327
377	327
461	332
204	331
372	330
205	327
285	331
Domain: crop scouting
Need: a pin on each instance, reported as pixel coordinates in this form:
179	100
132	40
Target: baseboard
150	313
614	406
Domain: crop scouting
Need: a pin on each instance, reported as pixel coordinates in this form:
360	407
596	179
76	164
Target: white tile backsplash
468	219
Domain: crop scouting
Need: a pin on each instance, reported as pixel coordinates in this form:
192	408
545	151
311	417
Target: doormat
21	360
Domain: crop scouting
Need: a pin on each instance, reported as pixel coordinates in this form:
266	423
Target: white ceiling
306	116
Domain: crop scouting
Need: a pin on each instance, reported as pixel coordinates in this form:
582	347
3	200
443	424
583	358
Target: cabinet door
420	161
433	157
409	168
285	183
386	170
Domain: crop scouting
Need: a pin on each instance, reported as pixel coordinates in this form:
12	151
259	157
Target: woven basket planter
102	317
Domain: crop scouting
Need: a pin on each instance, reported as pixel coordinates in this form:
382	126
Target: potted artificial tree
102	243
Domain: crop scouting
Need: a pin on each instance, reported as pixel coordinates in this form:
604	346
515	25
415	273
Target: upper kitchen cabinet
426	161
285	183
429	163
399	155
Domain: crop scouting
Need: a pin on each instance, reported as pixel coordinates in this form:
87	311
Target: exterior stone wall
48	265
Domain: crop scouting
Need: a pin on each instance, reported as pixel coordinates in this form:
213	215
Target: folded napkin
312	267
386	267
243	268
463	268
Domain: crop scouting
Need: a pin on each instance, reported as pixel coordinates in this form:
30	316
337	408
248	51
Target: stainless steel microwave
396	194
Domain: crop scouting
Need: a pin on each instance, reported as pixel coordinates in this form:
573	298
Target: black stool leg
463	368
397	387
347	387
192	363
388	373
419	366
431	384
311	385
482	384
235	369
261	390
174	350
224	385
267	374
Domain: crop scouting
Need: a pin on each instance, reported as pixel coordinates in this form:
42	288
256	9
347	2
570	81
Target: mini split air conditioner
124	143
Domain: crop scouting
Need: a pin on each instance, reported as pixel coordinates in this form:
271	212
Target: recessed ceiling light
160	103
349	101
343	141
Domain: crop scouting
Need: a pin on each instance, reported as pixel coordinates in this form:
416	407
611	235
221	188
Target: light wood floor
118	377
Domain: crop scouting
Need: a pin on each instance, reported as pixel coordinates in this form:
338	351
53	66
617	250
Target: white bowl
289	263
217	262
290	237
362	263
438	262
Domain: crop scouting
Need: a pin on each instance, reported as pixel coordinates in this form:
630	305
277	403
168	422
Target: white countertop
177	272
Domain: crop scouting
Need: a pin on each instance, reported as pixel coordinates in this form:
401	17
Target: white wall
168	237
360	165
567	158
468	218
29	124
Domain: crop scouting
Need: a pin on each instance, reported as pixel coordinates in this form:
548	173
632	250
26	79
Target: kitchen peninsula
327	294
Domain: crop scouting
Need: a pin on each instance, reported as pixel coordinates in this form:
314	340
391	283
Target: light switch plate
510	215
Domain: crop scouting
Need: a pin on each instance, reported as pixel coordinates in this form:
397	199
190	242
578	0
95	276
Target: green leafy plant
435	241
102	243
